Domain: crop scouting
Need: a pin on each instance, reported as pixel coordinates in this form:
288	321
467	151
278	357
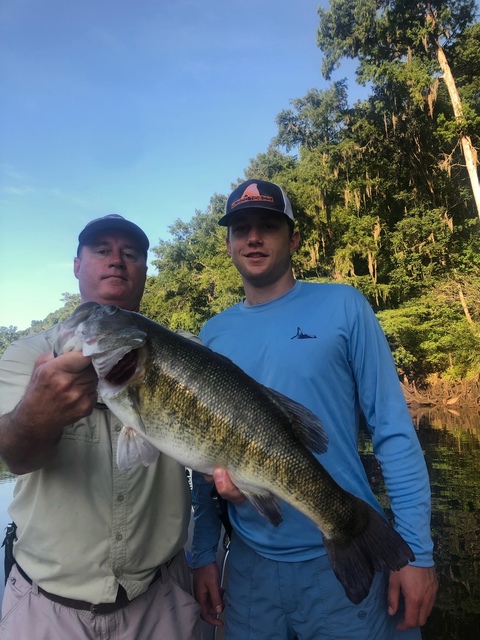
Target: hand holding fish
225	486
419	586
61	391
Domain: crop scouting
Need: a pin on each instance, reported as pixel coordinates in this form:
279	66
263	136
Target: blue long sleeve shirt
321	345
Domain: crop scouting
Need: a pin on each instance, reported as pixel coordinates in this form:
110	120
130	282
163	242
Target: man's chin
117	296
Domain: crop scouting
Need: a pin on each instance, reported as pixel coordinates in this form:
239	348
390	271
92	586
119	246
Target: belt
101	608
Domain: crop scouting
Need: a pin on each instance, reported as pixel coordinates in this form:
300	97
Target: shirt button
119	536
120	497
117	573
118	428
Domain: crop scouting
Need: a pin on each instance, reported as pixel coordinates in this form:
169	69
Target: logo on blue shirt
301	336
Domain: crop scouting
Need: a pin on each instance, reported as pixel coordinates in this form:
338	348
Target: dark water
451	442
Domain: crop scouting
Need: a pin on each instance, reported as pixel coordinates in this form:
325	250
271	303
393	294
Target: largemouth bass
177	397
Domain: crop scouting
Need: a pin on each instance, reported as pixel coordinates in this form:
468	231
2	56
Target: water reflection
451	442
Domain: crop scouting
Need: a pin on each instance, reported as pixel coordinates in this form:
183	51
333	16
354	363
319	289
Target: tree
404	39
195	276
9	334
438	333
366	176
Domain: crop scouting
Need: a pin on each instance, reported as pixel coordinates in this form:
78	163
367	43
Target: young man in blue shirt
321	345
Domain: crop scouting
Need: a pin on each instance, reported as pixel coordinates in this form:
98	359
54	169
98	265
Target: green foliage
318	118
268	166
384	35
9	334
437	334
195	276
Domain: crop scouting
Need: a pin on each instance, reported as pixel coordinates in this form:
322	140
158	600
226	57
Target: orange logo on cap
251	194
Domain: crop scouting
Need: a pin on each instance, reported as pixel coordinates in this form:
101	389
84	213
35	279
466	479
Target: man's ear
76	266
228	245
294	242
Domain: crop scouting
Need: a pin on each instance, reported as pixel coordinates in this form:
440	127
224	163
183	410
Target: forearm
60	391
409	495
207	527
21	448
395	442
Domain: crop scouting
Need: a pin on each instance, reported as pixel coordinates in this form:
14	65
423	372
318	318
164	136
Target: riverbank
443	394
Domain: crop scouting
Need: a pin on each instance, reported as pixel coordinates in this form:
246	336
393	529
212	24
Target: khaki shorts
166	611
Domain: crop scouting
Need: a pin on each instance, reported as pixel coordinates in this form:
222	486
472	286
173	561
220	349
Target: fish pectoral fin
305	424
133	449
268	506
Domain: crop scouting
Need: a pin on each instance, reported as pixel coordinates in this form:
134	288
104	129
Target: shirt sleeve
16	367
207	525
395	441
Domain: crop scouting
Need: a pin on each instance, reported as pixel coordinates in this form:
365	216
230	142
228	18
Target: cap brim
125	226
226	220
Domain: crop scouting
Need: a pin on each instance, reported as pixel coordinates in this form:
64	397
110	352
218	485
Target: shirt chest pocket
86	430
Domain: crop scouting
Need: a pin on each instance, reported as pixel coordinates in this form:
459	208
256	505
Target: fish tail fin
133	449
356	560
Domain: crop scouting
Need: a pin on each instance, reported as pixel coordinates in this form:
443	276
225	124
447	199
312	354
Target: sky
145	108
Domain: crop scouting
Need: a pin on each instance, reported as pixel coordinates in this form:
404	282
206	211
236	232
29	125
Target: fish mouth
123	370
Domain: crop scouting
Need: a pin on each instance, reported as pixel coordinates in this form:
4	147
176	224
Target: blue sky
143	108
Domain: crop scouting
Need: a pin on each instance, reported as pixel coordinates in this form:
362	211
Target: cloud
16	191
10	172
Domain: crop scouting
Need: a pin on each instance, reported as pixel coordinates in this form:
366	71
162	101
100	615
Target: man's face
261	246
111	269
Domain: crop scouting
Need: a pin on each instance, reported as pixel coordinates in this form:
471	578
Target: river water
451	443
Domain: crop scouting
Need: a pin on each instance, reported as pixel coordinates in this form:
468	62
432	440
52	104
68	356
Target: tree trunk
464	305
468	149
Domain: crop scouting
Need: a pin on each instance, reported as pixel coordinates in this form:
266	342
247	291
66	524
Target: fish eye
110	309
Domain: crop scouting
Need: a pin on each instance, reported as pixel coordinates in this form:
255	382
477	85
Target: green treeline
383	191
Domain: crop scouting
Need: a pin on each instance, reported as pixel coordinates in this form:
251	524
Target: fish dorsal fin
268	506
306	425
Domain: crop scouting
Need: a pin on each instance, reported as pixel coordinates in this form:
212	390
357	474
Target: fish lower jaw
108	391
72	343
88	347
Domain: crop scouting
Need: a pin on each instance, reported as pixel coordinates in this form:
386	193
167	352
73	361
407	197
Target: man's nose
254	236
117	259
